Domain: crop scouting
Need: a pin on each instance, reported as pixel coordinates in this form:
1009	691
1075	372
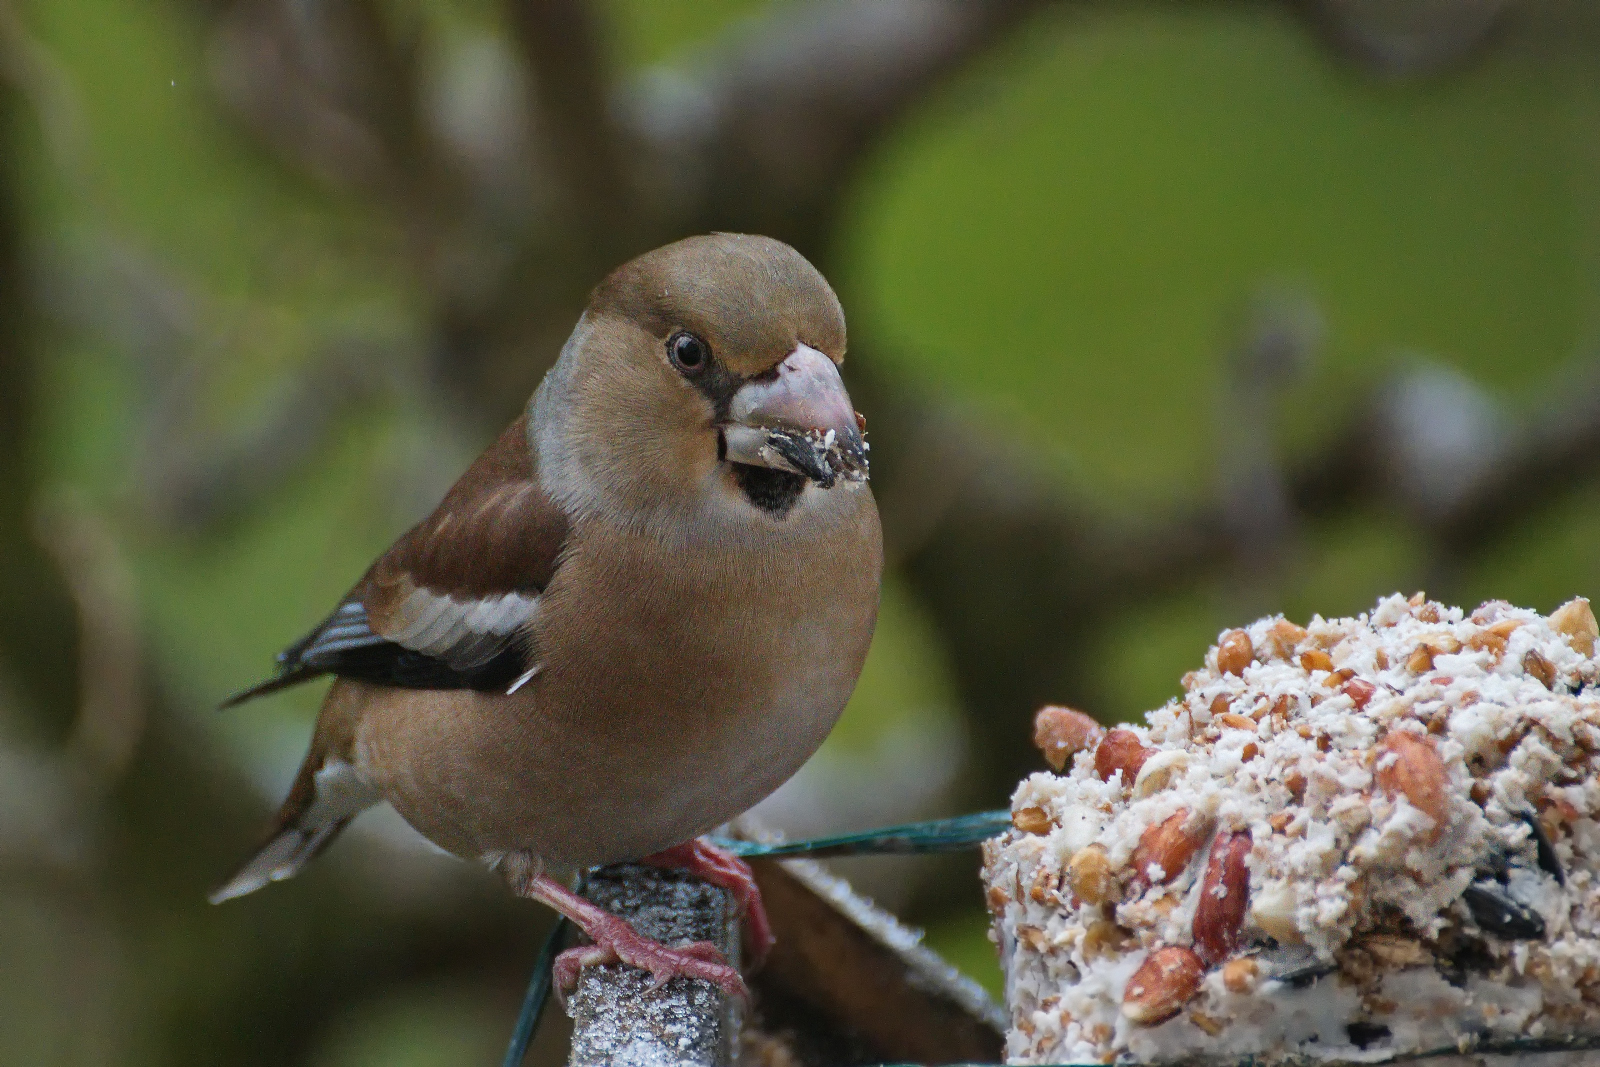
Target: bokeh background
1164	316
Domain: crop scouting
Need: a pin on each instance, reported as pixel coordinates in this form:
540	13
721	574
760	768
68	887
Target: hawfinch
635	615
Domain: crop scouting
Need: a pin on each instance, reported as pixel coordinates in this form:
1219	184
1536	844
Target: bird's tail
327	794
281	857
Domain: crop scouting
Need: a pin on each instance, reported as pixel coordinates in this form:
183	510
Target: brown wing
448	605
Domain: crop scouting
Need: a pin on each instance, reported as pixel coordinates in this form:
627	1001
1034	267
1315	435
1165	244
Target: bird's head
708	365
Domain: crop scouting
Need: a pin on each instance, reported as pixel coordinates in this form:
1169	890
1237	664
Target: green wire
938	835
537	997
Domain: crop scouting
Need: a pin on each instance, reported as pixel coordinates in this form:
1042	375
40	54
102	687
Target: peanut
1224	897
1120	750
1236	722
1162	985
1234	652
1061	733
1417	772
1315	659
1170	845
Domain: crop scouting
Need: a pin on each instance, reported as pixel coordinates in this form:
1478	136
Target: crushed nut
1538	667
1575	620
1273	911
1032	820
1033	937
1493	639
1089	871
1103	938
1043	887
1421	659
1061	733
1205	1022
1159	771
1359	690
1283	637
1236	722
1241	975
1397	953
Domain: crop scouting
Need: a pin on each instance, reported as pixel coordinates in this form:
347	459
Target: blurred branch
35	619
110	664
330	89
1555	450
1425	443
1406	38
562	44
196	483
788	108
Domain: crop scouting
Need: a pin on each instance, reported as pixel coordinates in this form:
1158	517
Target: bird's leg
722	868
616	941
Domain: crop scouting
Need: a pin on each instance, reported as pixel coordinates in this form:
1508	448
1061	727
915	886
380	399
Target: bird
635	615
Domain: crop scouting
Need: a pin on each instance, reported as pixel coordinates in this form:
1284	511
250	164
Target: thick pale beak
799	420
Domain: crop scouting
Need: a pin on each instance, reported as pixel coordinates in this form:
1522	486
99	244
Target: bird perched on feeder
636	614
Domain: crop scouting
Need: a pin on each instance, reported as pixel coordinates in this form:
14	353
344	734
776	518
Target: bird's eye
689	354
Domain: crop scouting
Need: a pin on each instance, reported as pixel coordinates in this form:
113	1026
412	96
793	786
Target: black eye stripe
702	369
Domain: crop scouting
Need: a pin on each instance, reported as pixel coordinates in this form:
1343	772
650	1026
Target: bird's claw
699	959
722	868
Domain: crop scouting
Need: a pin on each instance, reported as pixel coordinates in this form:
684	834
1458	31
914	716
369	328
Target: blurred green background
1163	316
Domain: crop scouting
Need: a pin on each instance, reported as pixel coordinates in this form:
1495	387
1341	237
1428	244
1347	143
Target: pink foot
615	941
722	868
699	959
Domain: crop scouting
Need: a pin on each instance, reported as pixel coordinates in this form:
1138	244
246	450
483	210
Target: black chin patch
773	491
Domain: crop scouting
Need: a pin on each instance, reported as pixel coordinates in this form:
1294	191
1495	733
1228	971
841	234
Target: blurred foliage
1061	242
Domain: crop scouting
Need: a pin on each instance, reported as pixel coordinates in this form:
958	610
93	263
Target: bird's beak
799	419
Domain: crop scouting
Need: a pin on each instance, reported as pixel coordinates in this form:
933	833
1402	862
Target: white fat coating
464	632
1338	864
